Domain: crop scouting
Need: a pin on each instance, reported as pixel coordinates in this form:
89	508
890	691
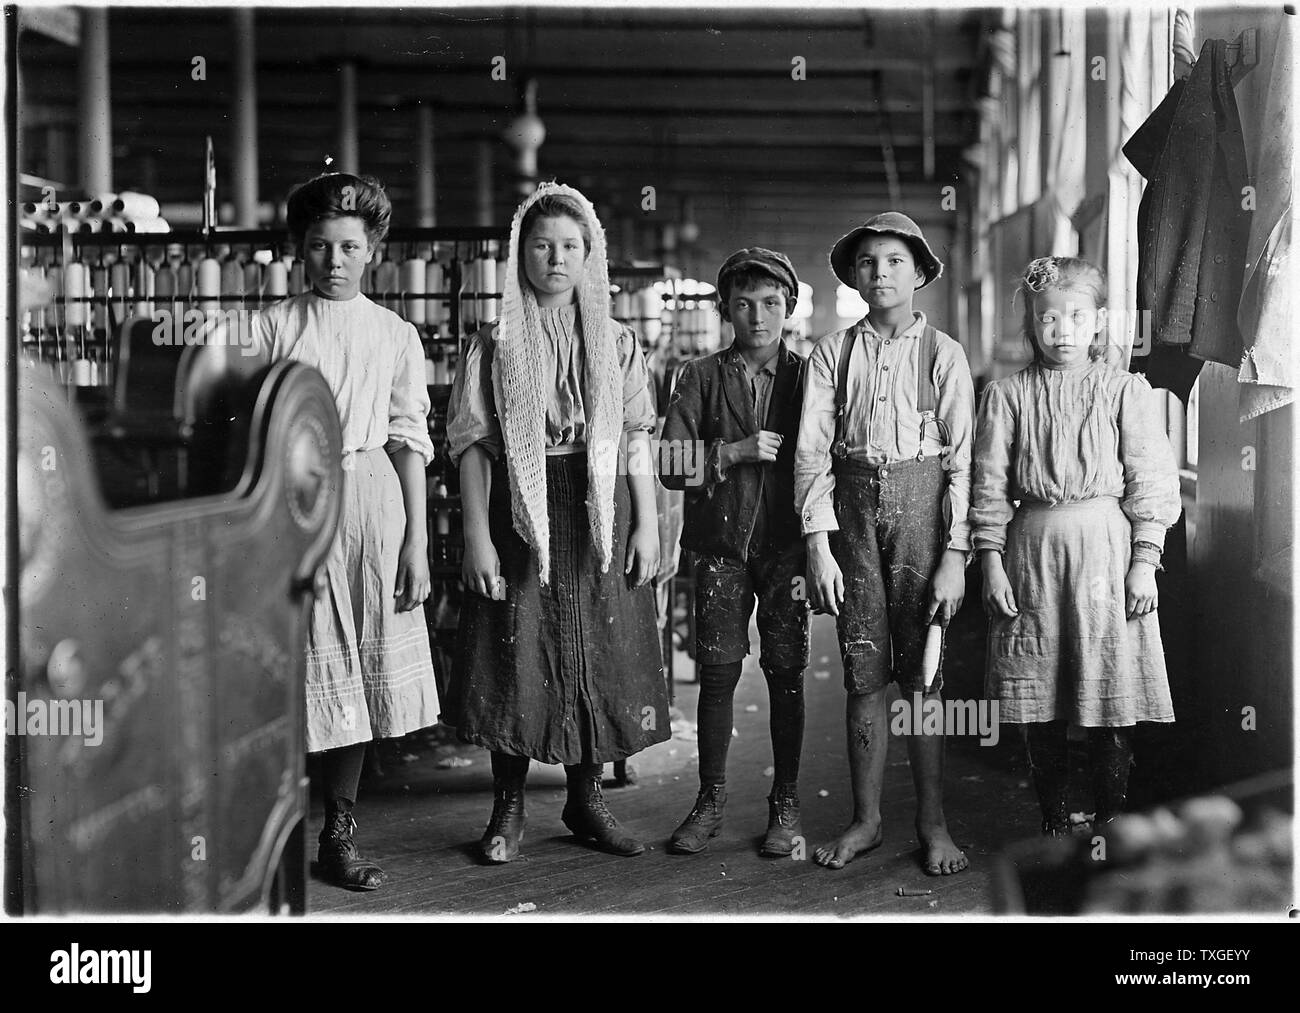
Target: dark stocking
714	719
1110	756
341	772
786	718
1049	762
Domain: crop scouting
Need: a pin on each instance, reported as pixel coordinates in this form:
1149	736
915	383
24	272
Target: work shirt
760	385
882	425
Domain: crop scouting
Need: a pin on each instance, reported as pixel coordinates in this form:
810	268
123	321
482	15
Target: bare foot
858	839
942	856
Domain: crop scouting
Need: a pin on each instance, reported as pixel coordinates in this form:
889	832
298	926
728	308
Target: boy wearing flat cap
882	485
743	404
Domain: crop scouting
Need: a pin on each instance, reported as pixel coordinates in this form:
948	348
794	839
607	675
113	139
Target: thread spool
297	278
135	205
412	277
488	283
436	311
208	281
184	282
99	300
76	282
386	281
164	288
119	281
277	281
144	288
232	285
252	284
930	656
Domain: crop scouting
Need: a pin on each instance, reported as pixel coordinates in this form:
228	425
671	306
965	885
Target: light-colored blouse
1060	436
371	359
472	415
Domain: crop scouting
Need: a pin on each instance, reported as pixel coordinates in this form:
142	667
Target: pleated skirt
569	672
369	667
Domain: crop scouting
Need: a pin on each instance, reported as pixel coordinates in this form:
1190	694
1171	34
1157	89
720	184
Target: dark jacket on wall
1192	228
713	403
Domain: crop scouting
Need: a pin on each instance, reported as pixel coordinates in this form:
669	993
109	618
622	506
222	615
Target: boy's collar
913	330
732	354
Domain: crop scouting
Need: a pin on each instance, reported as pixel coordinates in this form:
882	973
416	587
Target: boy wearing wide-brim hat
743	404
882	484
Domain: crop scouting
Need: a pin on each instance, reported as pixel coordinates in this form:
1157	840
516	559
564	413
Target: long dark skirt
570	672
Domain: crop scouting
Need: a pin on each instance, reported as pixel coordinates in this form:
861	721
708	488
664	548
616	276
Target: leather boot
337	855
1110	757
783	822
702	822
505	830
587	816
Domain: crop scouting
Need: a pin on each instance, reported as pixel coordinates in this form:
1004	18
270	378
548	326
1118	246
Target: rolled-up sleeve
639	411
991	503
408	405
957	409
1152	500
814	484
471	413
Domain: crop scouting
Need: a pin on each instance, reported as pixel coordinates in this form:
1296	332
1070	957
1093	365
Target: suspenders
927	397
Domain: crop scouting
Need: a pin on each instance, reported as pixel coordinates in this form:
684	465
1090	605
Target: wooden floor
421	821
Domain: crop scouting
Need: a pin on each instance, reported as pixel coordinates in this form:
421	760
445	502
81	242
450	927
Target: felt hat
891	223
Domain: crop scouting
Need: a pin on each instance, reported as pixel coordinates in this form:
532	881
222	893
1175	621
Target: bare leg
868	743
925	754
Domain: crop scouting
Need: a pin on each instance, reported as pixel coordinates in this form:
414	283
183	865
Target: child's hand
481	570
642	560
1140	594
998	599
760	448
947	587
825	580
413	582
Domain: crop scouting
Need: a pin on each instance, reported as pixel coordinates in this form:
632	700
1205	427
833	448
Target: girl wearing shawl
559	656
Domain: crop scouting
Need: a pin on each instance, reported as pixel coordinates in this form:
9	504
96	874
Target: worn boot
505	830
1049	762
587	816
1110	757
702	822
783	822
337	855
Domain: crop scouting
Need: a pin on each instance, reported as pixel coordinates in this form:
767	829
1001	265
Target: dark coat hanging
1193	222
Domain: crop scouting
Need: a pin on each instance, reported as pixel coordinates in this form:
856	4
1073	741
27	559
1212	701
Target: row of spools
126	212
416	287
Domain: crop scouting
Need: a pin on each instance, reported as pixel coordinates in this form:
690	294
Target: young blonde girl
1074	488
